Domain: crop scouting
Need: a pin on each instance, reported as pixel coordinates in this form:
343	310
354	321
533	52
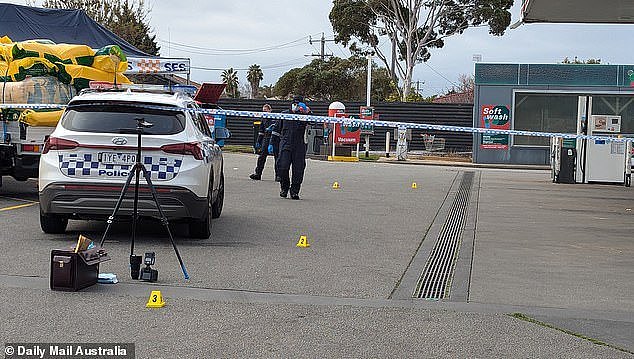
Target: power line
264	67
216	51
234	54
441	75
232	50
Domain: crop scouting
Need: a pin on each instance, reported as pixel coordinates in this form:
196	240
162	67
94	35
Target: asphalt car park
562	254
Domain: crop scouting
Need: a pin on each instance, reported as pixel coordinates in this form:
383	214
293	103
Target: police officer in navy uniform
292	150
267	135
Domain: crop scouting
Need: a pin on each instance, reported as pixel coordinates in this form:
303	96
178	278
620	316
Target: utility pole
418	83
322	55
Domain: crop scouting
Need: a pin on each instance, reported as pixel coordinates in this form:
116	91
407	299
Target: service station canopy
577	11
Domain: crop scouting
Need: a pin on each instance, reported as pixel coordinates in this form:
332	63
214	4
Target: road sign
367	113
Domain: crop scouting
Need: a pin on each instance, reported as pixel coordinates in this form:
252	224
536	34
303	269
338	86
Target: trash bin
219	122
315	140
567	166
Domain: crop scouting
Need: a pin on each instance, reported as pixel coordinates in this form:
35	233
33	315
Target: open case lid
94	255
209	93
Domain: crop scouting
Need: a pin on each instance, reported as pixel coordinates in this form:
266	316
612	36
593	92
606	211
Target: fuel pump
607	161
592	160
563	159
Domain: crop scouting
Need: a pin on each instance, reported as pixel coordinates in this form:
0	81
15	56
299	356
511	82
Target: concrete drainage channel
435	281
441	268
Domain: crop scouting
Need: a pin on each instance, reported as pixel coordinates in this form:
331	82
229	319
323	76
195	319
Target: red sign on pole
347	135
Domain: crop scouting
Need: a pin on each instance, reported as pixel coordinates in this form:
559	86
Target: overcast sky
274	34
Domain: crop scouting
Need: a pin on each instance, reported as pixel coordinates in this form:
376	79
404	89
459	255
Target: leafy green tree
254	76
128	19
414	27
230	77
335	79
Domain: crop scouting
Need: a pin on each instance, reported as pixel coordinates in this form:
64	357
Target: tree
230	77
335	79
414	27
254	76
577	61
128	19
267	91
466	83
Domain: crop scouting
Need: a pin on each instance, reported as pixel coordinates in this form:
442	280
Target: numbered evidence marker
414	185
155	300
335	185
303	242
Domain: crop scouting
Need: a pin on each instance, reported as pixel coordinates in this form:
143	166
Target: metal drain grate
435	280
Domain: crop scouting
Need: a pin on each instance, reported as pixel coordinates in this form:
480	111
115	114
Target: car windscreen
121	118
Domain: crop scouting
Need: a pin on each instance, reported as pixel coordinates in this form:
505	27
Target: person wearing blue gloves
292	150
268	138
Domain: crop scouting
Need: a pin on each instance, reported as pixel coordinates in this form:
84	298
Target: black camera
148	274
135	266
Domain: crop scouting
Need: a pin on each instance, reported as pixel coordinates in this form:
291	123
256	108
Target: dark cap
298	98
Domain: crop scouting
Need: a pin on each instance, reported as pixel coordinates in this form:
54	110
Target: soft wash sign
138	65
495	117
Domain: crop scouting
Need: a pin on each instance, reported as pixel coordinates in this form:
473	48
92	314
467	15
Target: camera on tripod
148	274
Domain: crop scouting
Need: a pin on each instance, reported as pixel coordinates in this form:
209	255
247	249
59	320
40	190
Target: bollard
387	144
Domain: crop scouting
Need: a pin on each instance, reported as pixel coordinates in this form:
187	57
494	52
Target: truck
24	130
43	72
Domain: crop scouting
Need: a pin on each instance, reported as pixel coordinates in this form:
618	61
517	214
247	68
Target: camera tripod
136	170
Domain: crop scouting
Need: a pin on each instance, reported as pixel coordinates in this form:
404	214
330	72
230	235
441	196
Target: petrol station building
545	98
558	98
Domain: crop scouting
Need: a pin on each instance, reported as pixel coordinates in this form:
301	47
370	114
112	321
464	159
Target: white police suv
87	159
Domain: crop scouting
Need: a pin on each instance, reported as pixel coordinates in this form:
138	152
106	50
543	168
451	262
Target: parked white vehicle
87	158
21	143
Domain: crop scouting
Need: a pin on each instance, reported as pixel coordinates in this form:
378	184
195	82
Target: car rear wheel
201	228
216	208
53	224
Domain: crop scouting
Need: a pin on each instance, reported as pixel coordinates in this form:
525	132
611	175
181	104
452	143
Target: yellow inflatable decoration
5	52
80	76
31	66
72	64
40	71
41	118
109	58
65	53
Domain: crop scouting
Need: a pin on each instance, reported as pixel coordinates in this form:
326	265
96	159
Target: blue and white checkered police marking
88	165
344	121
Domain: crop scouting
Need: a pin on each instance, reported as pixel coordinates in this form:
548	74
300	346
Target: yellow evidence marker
303	242
155	300
414	185
335	185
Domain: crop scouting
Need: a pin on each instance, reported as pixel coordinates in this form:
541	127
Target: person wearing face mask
267	135
292	150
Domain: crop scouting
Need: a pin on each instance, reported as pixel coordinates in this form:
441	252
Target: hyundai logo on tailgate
119	141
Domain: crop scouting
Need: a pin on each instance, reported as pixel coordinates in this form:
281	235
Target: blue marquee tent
22	23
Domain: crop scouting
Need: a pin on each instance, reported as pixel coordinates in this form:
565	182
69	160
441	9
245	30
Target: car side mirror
221	133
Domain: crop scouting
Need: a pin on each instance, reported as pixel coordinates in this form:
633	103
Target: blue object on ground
107	278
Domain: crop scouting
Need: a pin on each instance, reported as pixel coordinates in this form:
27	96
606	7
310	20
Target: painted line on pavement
18	206
19	199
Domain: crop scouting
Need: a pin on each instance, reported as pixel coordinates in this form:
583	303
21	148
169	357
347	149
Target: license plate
115	158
